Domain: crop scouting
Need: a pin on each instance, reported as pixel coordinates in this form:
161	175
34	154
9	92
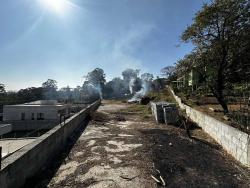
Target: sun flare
57	6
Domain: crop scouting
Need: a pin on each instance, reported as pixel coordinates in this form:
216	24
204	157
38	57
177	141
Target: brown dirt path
121	149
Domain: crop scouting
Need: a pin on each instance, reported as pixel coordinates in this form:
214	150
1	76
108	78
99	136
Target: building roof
43	102
40	103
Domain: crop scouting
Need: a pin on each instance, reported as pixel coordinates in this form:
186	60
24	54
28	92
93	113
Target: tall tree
50	84
130	77
129	74
50	89
220	32
96	79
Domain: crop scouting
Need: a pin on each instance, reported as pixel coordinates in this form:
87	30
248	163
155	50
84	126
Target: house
43	114
191	79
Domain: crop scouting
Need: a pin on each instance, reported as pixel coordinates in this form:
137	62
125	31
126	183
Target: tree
168	71
129	74
50	89
130	77
50	84
89	92
158	84
116	88
220	32
96	78
30	94
147	77
2	89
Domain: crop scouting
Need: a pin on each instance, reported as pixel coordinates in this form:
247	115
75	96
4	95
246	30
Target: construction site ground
123	148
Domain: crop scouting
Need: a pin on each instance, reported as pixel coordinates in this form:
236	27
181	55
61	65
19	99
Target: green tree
50	89
168	71
96	79
220	32
147	77
2	89
50	84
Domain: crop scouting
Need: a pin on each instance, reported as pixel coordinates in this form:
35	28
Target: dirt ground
122	149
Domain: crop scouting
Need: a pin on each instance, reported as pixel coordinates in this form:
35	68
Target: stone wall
27	161
234	141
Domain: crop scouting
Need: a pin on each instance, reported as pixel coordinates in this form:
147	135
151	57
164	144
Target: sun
57	6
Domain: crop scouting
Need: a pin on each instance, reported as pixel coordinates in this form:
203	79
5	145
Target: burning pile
140	96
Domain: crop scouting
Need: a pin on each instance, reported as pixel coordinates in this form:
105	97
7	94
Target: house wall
29	125
27	161
234	141
14	112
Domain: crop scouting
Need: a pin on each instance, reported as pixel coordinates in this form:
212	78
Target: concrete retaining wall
234	141
5	128
29	125
30	159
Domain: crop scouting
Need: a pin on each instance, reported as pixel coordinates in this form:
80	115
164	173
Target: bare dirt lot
123	149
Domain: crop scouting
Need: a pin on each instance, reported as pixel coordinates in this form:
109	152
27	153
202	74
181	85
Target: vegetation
162	95
94	87
220	34
143	110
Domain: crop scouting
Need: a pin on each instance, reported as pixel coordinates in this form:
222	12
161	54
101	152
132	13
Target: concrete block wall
234	141
27	161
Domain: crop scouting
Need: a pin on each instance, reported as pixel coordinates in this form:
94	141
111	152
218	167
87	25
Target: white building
42	114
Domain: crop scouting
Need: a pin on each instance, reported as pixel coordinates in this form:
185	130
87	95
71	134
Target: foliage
94	86
158	84
169	72
162	95
220	32
50	84
147	77
50	89
96	77
143	110
128	74
2	89
116	88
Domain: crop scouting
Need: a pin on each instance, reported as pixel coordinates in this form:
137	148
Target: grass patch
143	110
163	95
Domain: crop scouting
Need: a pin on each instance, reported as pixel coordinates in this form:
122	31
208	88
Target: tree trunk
219	90
223	103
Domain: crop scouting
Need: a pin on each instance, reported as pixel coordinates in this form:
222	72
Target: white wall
13	112
30	159
234	141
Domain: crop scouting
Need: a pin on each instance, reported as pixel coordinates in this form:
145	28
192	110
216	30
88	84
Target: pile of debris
144	100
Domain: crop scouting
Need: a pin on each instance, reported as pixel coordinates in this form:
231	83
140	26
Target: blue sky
65	40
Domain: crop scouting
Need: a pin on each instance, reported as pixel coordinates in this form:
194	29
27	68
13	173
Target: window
32	116
22	116
40	116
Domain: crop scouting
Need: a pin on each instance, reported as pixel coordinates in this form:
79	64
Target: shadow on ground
42	178
185	162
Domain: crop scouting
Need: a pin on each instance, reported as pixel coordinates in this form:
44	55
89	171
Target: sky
66	39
